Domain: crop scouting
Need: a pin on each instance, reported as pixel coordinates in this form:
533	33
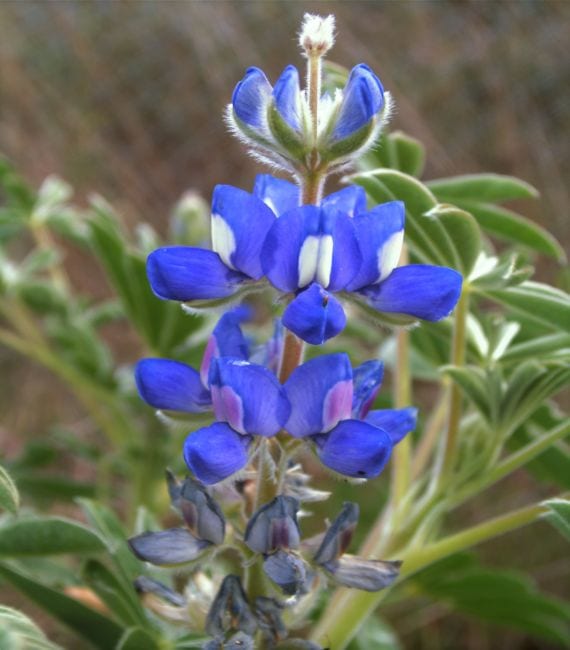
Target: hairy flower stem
348	610
291	357
314	90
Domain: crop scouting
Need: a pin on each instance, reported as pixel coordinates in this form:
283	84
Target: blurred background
126	99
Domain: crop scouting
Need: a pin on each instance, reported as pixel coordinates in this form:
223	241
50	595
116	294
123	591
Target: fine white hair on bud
317	34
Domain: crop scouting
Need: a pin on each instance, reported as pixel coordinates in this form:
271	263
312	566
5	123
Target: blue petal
280	195
227	340
282	247
363	97
395	422
250	98
355	448
171	385
248	397
315	315
420	290
320	394
380	235
367	380
346	258
287	95
351	200
240	222
185	273
310	244
215	452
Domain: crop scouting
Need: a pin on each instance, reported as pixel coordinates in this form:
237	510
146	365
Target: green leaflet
538	302
376	634
483	188
47	536
497	596
18	631
9	497
437	234
95	628
162	324
559	515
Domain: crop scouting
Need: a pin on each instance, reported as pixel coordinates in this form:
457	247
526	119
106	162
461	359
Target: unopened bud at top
317	34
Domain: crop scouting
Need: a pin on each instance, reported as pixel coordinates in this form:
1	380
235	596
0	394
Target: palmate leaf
95	628
437	234
506	598
162	324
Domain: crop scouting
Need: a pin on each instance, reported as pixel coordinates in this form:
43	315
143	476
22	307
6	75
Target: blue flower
248	401
330	406
323	401
316	251
171	385
310	251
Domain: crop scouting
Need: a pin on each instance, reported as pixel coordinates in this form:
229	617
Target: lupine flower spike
248	486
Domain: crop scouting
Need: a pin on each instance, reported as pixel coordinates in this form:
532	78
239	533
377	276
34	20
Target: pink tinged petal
318	392
228	407
248	396
209	352
337	405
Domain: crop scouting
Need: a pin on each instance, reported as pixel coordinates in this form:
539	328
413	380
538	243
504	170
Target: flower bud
202	514
230	610
339	535
289	572
274	526
167	547
367	575
268	612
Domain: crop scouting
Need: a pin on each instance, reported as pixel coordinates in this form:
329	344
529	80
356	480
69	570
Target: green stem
348	610
456	396
402	397
430	436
